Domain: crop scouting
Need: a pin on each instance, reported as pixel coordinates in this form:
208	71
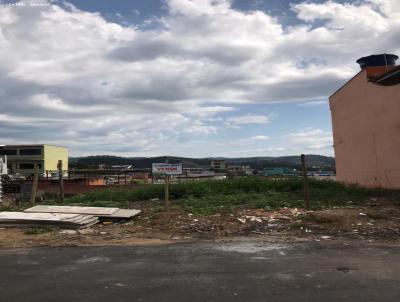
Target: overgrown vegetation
37	230
252	192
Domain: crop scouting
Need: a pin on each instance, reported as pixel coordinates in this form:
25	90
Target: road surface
232	271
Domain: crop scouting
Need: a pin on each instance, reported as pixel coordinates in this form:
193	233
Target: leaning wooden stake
34	186
60	182
306	192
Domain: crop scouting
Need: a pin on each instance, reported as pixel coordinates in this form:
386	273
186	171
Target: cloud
248	119
311	139
313	103
75	79
260	138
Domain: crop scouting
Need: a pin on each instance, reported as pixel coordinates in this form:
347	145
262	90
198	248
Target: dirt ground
378	220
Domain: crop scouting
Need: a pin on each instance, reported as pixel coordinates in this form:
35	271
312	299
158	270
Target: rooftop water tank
378	60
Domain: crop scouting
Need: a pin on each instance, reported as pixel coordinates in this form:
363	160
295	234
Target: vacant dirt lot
379	220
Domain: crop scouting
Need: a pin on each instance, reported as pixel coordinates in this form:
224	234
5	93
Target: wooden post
166	188
166	192
125	178
34	186
306	192
60	182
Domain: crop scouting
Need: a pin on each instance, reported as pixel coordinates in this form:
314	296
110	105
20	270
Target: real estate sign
167	169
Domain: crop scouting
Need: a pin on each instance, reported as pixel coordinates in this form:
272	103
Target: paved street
238	271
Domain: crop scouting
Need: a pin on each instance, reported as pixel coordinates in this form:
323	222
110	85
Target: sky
193	78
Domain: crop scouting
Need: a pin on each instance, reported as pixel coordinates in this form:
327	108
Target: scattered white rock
68	232
87	231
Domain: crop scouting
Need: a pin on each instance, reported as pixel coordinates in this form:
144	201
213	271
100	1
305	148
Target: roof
31	145
389	78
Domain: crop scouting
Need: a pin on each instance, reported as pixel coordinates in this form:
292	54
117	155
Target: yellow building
24	159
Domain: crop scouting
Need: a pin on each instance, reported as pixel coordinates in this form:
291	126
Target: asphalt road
238	271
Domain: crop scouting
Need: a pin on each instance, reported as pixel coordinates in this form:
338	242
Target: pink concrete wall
366	133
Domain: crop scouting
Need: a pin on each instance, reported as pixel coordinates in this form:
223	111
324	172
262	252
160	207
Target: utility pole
306	192
60	182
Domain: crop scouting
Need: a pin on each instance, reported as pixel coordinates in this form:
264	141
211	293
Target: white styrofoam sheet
96	211
36	216
125	213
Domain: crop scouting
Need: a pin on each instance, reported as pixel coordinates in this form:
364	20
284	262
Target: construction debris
100	212
65	221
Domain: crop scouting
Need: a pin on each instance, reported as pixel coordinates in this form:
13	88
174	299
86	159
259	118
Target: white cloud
248	119
311	139
313	103
260	138
127	90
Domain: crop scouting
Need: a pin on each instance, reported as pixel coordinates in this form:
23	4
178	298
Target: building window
30	152
27	166
8	152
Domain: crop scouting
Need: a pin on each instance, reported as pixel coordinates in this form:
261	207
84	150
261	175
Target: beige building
366	124
218	165
240	169
24	159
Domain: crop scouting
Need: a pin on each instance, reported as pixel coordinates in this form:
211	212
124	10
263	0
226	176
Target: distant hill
258	163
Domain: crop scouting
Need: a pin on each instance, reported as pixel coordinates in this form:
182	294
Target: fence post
34	186
166	192
60	182
166	189
306	192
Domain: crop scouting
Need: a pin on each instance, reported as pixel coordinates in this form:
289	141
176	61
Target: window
27	166
8	152
30	152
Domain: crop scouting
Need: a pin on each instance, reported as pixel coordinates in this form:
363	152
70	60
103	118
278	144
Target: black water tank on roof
378	60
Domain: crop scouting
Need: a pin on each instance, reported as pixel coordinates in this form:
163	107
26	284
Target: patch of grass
9	208
297	225
37	230
253	192
228	202
377	216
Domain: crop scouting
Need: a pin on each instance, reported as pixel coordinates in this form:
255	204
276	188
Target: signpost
166	170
